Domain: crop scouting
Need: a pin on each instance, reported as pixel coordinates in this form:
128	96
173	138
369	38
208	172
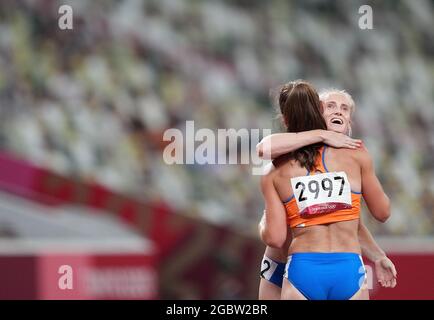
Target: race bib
322	193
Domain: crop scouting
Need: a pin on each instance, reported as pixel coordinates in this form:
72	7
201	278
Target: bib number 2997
314	187
322	193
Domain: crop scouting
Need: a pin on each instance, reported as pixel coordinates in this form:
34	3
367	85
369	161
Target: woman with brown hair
321	205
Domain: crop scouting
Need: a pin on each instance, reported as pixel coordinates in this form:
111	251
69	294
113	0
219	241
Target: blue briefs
326	276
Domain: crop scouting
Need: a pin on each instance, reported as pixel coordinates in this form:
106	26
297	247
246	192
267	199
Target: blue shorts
326	276
272	271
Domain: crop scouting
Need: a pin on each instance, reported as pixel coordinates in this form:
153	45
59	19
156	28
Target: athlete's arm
283	250
273	228
370	248
376	199
277	144
384	268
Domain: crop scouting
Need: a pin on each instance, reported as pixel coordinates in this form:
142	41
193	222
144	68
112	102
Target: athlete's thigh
268	290
289	292
360	295
364	294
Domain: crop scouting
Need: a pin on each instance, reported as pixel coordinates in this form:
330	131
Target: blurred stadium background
83	111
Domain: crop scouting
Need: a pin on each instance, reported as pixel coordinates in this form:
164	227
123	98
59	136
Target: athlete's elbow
272	239
260	150
384	213
263	149
274	243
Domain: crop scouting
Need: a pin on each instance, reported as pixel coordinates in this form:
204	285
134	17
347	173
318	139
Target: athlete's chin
339	128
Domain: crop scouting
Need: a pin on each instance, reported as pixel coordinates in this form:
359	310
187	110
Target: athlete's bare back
334	237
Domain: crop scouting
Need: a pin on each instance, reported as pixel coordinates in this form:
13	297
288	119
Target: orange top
294	219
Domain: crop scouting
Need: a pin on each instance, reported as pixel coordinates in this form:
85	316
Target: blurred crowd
94	102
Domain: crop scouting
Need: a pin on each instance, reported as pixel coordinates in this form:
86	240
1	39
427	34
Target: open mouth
336	121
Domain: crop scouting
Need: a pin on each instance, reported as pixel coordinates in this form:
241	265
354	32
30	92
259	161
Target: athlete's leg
270	285
289	292
363	293
272	270
268	290
360	295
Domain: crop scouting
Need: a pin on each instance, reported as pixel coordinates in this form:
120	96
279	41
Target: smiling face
337	110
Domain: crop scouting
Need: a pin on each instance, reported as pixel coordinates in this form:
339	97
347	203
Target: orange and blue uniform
325	275
294	219
319	275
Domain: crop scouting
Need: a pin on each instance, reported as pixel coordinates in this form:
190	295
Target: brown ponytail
301	111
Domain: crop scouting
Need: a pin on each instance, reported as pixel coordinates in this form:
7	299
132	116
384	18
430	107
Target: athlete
335	102
322	207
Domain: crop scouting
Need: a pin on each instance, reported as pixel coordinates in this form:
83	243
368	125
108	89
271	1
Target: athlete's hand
385	272
340	140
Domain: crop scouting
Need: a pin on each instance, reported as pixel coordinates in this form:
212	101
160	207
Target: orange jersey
347	212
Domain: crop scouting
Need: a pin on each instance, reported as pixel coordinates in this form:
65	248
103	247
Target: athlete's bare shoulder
268	172
286	166
361	155
362	151
272	169
272	172
283	167
357	154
